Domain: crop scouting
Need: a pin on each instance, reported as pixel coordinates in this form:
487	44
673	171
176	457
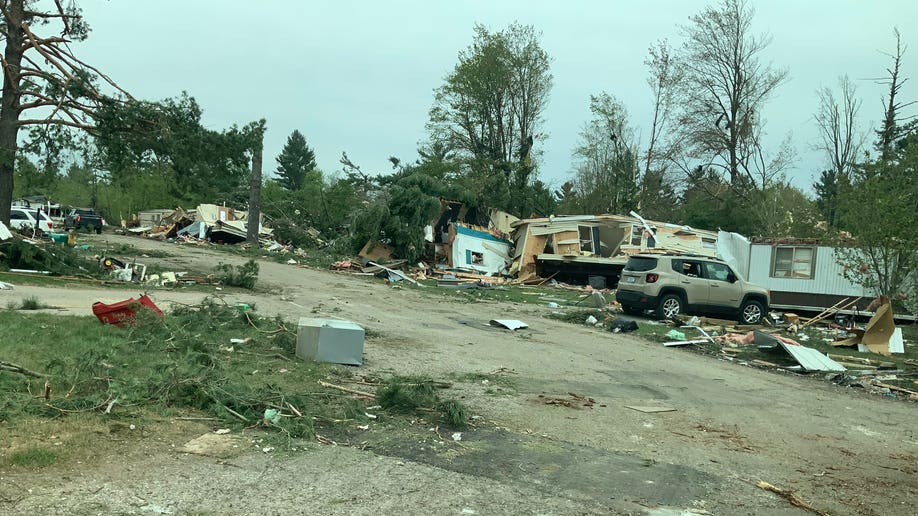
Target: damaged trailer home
801	273
218	224
460	243
595	248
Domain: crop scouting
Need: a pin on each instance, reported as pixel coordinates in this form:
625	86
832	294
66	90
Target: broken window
793	262
636	233
716	271
589	239
474	258
687	268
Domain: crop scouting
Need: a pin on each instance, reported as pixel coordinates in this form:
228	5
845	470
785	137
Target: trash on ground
623	325
510	324
650	410
330	340
124	312
572	401
790	496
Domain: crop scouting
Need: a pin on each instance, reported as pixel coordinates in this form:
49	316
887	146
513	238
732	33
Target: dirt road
841	450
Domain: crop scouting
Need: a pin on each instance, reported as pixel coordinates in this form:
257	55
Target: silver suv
671	284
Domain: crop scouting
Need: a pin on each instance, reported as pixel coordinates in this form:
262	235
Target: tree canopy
42	76
295	161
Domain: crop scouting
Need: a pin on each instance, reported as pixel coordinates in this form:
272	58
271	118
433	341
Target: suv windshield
641	264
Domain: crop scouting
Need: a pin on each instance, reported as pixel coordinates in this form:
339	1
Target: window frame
704	268
790	272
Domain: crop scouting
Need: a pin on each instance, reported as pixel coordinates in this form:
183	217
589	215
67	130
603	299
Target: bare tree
893	119
723	93
41	74
837	122
663	80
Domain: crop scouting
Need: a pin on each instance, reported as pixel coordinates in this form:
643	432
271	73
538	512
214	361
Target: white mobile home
801	273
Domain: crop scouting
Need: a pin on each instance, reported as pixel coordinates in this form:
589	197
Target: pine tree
294	162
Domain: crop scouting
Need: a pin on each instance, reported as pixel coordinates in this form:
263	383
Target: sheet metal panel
811	359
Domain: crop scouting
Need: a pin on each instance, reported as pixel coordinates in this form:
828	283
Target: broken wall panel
473	248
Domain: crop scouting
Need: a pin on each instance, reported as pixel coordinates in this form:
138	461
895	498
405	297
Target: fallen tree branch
345	389
791	497
7	366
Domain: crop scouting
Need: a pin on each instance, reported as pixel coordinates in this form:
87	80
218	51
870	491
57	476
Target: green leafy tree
295	162
606	163
878	207
878	210
489	112
209	165
42	75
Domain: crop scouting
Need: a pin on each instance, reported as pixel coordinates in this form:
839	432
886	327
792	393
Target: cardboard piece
376	252
879	330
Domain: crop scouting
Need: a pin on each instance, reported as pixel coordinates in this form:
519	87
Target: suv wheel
751	312
670	306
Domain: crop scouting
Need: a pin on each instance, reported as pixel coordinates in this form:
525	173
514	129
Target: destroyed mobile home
207	222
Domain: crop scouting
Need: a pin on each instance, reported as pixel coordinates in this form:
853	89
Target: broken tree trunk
7	366
253	224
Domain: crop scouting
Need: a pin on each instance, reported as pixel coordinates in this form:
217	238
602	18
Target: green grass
33	457
32	303
418	394
182	364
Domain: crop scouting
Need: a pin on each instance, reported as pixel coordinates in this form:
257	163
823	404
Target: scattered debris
9	366
510	324
790	496
572	401
622	325
650	410
124	312
330	340
675	335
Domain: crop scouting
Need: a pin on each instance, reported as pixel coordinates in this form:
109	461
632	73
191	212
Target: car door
19	219
722	292
689	276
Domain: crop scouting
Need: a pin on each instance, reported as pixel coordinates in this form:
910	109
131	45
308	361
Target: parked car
84	218
25	220
670	284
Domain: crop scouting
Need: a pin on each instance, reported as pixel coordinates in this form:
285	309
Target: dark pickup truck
84	218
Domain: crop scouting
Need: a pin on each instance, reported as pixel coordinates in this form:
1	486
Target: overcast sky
359	76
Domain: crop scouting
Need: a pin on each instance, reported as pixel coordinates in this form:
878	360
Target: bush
243	276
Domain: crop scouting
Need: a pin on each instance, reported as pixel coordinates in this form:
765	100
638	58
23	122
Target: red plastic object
123	312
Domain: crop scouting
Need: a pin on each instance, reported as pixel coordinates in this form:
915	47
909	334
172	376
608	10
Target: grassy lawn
212	361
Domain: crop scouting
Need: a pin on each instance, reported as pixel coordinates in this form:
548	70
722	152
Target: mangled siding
600	240
733	248
478	250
